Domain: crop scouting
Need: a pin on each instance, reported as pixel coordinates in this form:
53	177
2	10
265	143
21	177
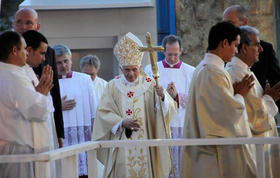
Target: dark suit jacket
267	68
55	92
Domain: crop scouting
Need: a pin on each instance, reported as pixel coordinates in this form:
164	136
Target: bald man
267	68
236	14
27	19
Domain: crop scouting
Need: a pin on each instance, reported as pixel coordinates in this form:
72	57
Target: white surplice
99	86
261	110
78	121
20	106
213	111
181	77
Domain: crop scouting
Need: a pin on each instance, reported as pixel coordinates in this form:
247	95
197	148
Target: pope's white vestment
78	122
213	111
20	106
261	110
134	100
181	74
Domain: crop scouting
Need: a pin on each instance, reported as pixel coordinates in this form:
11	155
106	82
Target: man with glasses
175	77
27	19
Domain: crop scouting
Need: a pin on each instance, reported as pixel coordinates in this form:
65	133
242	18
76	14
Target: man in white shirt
216	109
260	104
20	105
90	64
175	77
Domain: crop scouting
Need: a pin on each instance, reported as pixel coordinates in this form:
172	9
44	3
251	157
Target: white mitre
127	50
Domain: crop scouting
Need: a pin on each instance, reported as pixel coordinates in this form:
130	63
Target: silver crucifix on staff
152	49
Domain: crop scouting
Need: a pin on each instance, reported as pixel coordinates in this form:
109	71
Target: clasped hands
172	91
243	87
46	81
274	92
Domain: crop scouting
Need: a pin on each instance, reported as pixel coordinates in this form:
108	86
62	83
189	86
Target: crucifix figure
151	49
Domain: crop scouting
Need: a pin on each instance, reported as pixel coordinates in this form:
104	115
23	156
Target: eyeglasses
27	23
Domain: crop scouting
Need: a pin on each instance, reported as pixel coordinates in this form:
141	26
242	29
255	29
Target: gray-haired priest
133	108
260	104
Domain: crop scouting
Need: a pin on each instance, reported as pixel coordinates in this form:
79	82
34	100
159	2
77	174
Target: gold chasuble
139	101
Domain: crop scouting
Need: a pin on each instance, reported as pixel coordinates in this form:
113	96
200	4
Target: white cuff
240	98
165	105
117	127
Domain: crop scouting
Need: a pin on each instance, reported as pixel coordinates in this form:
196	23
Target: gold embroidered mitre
127	50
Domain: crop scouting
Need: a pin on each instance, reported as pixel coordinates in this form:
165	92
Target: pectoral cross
152	49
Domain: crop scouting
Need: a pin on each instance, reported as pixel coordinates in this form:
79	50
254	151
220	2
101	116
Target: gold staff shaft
152	49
